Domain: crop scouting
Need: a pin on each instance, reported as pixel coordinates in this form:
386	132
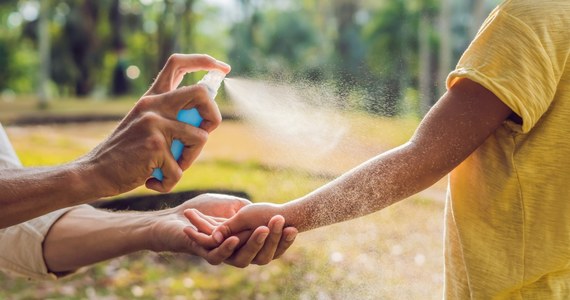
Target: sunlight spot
420	259
137	291
14	20
337	257
188	282
133	72
30	10
396	250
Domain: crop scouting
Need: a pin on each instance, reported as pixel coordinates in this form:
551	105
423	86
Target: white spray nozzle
212	80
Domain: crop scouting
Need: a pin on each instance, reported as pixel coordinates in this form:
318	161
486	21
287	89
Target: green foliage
367	49
277	42
392	36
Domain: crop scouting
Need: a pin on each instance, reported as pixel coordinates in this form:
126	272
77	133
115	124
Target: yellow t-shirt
508	206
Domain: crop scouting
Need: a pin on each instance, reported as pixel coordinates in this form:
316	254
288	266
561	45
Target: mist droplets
299	116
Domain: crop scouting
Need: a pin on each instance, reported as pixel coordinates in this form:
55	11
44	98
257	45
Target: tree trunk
478	12
445	48
44	51
187	30
81	31
344	13
424	64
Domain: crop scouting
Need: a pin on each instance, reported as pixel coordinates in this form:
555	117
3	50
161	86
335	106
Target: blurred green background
386	60
384	51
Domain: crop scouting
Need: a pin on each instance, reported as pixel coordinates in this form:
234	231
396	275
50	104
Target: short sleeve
21	246
8	157
509	59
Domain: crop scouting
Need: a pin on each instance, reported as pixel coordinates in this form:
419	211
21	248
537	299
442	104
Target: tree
392	50
44	51
350	49
275	40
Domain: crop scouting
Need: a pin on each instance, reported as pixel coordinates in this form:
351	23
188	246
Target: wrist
142	231
82	182
287	211
92	178
295	215
153	235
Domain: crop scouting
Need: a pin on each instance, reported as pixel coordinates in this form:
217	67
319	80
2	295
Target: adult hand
259	246
142	140
167	230
254	251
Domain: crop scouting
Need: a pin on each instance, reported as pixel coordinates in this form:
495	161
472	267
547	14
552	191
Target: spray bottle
212	80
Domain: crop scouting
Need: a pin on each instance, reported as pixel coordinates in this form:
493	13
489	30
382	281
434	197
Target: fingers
212	116
203	223
264	244
178	65
205	246
219	254
219	207
193	140
202	240
172	174
223	231
236	224
191	137
267	252
186	97
287	239
222	253
247	253
213	221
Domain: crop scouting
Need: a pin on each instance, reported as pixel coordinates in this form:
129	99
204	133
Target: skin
125	159
85	235
455	127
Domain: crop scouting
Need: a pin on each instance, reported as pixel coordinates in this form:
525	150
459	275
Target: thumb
229	228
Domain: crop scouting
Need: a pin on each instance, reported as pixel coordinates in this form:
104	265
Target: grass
381	256
352	260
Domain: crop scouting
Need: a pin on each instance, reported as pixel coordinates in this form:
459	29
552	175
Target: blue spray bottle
212	80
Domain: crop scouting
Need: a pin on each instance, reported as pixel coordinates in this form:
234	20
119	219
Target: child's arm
459	123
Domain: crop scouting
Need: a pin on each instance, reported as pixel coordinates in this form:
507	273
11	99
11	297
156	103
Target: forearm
458	124
86	236
31	192
372	186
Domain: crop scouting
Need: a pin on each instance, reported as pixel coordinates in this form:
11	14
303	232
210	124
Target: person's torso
508	210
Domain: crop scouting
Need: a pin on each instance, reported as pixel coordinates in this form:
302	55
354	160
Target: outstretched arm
459	123
125	160
85	235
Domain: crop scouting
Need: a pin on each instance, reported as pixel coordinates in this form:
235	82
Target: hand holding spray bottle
212	80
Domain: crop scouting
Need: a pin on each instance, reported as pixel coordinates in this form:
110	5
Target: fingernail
223	64
290	237
278	226
278	229
262	238
218	236
233	247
